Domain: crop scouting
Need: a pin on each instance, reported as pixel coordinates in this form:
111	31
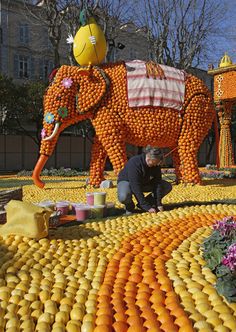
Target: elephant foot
90	186
191	182
94	183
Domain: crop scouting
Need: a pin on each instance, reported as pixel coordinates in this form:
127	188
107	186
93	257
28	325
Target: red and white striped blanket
142	91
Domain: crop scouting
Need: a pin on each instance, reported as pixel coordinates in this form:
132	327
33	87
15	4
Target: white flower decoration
70	39
92	40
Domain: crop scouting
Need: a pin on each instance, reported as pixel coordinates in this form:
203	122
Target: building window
24	33
23	67
46	66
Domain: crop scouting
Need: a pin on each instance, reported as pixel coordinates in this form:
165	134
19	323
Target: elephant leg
197	121
189	172
116	151
97	164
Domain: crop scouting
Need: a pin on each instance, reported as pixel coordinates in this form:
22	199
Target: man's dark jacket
139	175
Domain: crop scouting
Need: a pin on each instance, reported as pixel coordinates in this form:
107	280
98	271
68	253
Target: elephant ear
93	84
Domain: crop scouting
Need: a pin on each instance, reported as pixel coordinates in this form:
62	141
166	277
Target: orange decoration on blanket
154	70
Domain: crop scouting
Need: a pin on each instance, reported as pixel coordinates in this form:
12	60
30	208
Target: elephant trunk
37	171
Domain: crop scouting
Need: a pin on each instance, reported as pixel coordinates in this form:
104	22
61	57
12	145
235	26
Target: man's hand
160	208
152	210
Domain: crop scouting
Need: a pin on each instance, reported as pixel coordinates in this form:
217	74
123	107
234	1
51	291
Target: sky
225	39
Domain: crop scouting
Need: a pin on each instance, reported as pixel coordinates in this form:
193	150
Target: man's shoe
139	207
128	213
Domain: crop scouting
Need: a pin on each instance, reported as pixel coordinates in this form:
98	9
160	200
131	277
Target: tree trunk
56	57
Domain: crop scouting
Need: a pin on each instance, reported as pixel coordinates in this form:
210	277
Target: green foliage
214	249
67	172
221	173
226	286
23	106
6	89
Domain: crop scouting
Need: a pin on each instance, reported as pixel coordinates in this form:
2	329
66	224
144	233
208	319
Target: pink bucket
90	198
62	208
82	212
73	206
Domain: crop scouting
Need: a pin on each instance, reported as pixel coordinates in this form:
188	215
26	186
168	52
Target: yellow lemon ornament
89	44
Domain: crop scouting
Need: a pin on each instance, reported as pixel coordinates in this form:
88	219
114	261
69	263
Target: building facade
25	50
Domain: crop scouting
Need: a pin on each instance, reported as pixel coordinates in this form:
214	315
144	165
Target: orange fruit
181	321
142	303
135	277
105	311
137	328
169	326
120	326
103	328
135	320
104	320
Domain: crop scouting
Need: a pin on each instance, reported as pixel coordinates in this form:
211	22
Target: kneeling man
142	173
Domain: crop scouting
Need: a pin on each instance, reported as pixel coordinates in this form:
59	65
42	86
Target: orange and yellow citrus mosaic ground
144	272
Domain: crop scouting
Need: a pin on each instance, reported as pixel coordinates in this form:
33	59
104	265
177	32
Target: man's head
153	156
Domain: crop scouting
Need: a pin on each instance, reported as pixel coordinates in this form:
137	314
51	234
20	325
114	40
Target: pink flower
226	226
225	261
229	259
67	82
43	133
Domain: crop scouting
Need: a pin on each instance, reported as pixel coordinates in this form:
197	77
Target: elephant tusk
55	130
37	170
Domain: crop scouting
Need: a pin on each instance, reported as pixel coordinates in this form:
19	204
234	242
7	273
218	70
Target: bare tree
72	22
178	31
50	13
109	14
56	15
112	15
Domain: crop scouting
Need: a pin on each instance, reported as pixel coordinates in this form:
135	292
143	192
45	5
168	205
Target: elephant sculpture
100	94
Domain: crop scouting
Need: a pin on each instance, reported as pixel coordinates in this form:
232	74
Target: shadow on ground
72	231
16	182
220	182
169	207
